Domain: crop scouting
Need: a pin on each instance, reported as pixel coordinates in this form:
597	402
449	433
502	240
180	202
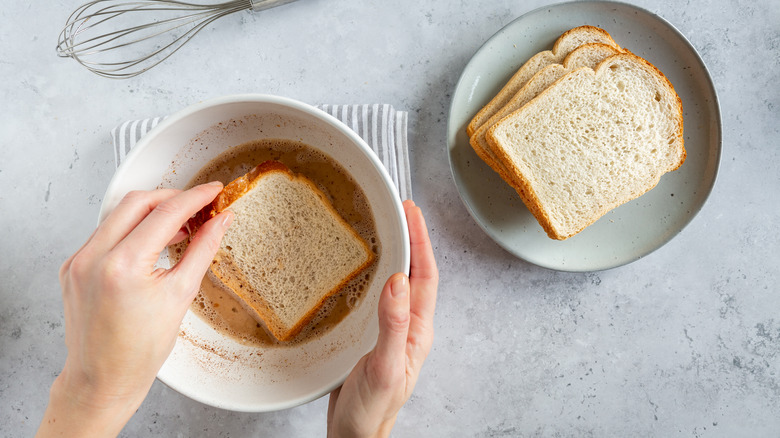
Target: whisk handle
259	5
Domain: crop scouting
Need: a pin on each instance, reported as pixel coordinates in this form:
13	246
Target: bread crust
531	199
233	191
516	81
478	141
231	277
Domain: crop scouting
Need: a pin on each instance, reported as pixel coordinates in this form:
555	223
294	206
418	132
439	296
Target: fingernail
399	286
215	184
227	218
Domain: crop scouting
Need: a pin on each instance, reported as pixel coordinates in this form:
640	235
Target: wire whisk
121	39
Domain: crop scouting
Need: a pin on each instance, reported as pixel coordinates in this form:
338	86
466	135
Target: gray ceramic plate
632	230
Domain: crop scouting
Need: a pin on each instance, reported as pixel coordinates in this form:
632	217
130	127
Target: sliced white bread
592	141
587	55
287	249
564	45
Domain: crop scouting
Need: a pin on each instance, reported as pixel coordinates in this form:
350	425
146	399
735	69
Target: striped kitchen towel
381	126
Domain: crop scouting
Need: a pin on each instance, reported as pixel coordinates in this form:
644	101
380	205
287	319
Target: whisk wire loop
177	43
104	39
98	34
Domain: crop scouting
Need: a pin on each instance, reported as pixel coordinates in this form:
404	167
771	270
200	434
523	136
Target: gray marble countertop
683	342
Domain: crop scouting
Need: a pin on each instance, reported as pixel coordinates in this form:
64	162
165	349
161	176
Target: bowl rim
109	204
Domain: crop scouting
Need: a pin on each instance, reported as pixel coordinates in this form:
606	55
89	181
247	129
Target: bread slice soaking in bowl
287	249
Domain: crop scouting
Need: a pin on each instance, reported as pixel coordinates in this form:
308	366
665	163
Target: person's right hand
122	315
367	404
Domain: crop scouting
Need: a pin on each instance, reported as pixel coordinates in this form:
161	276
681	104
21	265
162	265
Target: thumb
201	250
389	357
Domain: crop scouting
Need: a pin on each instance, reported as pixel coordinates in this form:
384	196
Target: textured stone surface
684	342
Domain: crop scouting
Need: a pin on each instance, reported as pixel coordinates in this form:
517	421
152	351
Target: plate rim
715	147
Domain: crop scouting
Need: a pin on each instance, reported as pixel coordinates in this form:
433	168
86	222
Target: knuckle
77	274
169	207
397	321
211	245
113	267
80	265
65	269
134	196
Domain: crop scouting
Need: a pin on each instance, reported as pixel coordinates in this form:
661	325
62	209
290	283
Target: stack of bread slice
580	130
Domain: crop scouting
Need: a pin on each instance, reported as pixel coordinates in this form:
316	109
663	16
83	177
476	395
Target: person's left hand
121	315
367	404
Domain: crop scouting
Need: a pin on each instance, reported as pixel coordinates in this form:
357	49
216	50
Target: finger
200	252
424	282
334	397
389	356
179	237
162	224
66	264
424	275
132	209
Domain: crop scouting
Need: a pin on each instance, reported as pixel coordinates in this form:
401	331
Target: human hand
121	315
367	404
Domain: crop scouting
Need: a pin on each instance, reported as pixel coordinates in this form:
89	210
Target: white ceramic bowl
206	365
